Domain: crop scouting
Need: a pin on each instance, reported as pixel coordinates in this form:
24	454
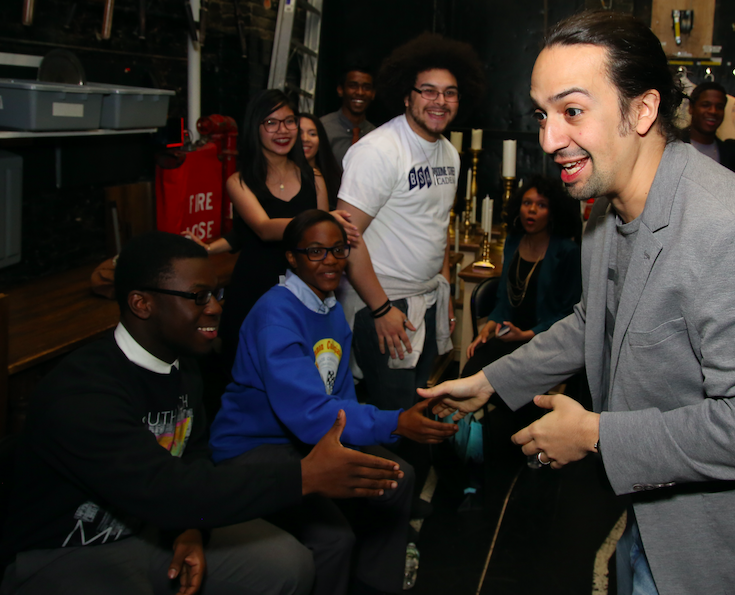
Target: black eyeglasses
450	95
273	124
201	298
316	253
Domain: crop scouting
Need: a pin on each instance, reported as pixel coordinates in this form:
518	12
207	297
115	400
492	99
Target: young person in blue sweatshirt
291	377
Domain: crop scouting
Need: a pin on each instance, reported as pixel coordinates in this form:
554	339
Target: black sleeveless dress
259	265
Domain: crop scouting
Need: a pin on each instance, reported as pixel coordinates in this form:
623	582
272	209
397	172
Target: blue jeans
633	573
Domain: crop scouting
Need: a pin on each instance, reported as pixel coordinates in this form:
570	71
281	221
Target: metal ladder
285	47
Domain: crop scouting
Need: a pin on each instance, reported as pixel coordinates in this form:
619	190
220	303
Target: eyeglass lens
202	297
321	253
272	124
450	95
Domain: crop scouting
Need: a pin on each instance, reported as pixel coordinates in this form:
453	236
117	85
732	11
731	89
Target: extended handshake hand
460	397
568	433
334	471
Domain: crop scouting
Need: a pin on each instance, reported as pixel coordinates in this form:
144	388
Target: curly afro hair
564	215
428	51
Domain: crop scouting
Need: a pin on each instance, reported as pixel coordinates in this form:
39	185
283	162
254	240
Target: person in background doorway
349	123
707	109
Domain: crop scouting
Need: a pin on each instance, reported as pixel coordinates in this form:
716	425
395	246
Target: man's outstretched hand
334	471
458	397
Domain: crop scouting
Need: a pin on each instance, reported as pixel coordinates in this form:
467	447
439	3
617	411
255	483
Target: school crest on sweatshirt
328	354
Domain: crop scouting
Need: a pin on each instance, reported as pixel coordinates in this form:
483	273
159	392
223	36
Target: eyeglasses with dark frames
273	124
450	95
316	253
201	298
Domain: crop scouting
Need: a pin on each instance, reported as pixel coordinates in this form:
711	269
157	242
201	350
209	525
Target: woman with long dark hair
273	184
319	154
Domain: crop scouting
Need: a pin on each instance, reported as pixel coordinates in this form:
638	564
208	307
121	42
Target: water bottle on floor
412	566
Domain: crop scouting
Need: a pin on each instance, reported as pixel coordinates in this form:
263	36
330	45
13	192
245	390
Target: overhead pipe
194	75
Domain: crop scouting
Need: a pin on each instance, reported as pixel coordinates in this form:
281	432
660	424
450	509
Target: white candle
456	140
490	204
469	186
483	215
476	138
509	158
474	209
456	233
457	281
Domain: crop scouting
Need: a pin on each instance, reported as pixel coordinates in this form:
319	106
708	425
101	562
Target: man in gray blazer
655	328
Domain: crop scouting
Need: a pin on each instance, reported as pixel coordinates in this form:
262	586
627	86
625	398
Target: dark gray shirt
339	131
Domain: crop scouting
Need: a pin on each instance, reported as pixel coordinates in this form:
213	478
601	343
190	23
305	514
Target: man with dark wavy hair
399	185
655	327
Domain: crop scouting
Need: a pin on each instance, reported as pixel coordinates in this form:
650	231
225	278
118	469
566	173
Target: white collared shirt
138	355
306	295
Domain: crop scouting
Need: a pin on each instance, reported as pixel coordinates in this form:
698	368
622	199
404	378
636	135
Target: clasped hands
567	433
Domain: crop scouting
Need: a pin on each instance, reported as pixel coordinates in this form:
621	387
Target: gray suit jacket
668	435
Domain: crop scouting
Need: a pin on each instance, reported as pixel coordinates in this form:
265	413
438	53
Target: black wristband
382	310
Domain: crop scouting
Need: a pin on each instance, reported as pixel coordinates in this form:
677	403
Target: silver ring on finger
538	458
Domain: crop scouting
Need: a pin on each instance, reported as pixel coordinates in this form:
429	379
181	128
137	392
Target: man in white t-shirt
399	185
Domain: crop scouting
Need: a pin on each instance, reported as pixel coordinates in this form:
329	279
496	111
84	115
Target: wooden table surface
54	315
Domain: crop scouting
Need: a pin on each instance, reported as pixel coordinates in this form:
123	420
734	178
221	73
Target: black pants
375	529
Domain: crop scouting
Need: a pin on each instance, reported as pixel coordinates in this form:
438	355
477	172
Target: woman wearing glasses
290	379
273	184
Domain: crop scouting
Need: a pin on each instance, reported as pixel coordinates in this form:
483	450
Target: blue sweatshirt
291	377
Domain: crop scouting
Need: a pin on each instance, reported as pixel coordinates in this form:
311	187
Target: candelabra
484	262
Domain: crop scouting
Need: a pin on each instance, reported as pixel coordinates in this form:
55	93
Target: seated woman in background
291	377
319	154
273	184
541	280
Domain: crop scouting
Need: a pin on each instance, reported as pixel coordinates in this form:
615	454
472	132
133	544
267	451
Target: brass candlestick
484	262
453	212
467	224
475	161
509	186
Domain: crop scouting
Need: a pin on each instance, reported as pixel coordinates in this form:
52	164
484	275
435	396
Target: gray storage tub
132	107
32	105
